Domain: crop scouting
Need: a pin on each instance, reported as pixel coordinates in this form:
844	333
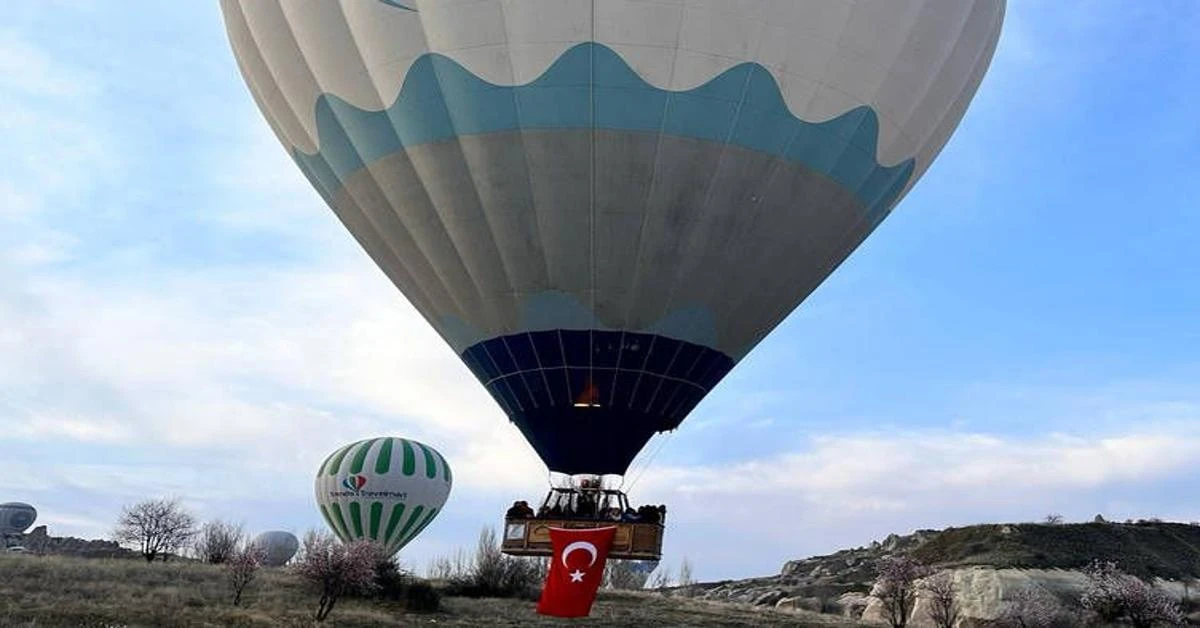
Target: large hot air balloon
16	517
385	490
604	205
277	546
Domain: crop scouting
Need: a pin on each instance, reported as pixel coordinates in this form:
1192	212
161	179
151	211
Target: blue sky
180	314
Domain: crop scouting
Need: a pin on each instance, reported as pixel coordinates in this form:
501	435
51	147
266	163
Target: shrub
941	593
1032	607
625	575
1187	600
492	574
662	579
445	568
421	597
1112	594
336	569
218	541
685	577
394	583
896	587
241	566
390	580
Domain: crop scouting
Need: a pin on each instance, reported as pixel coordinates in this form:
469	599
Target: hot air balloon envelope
278	547
16	517
603	205
385	490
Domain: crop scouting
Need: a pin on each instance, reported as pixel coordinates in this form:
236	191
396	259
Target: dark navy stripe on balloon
588	400
591	86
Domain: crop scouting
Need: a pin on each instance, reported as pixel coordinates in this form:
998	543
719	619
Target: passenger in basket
587	506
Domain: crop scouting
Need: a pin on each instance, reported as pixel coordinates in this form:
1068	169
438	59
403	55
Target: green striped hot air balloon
385	490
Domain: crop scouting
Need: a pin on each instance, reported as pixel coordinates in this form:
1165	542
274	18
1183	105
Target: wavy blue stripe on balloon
591	86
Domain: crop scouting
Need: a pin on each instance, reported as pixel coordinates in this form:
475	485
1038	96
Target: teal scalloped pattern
591	86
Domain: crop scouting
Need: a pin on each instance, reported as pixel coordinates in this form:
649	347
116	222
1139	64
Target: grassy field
59	591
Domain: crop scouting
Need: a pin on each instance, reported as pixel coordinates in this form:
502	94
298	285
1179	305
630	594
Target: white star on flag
577	576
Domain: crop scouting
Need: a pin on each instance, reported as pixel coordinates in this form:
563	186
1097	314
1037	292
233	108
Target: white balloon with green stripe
385	490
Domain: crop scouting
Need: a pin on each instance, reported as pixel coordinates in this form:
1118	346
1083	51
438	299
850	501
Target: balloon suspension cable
649	461
640	462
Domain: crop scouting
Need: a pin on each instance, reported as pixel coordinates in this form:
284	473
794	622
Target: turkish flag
576	570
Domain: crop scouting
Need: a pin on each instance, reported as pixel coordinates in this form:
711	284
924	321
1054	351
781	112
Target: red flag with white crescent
576	570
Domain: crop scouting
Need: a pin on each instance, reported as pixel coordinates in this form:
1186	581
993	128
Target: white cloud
40	427
907	465
849	489
313	357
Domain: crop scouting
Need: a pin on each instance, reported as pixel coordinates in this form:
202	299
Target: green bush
421	597
492	574
391	582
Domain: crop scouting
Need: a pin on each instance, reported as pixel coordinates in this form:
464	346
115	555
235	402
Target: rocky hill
988	562
39	541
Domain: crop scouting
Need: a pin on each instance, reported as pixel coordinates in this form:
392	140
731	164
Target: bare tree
218	541
685	577
336	569
941	592
156	527
1033	607
491	565
662	579
896	587
241	566
447	568
1113	594
492	574
1053	519
1189	583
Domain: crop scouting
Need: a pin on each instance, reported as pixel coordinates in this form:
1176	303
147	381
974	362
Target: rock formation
39	541
989	565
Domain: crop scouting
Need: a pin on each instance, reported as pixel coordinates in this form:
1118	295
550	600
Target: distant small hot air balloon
278	547
16	517
386	490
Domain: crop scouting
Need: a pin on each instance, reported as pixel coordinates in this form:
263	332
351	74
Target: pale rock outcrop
39	541
982	593
853	604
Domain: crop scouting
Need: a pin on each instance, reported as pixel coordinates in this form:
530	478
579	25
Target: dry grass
59	591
